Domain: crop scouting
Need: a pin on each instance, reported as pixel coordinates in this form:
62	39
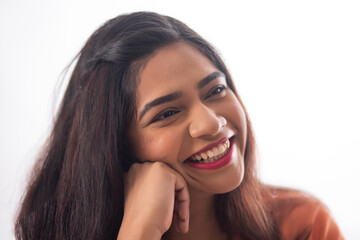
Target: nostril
210	125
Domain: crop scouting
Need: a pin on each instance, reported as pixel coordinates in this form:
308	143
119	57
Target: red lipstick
216	164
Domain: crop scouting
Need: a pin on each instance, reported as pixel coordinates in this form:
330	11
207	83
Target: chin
220	186
229	187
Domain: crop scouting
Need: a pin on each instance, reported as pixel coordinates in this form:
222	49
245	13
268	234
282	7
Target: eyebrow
209	78
173	96
158	101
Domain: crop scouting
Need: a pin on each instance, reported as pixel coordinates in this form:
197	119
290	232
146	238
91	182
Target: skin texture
159	191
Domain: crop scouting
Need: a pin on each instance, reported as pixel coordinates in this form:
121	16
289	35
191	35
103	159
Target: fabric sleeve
302	217
324	226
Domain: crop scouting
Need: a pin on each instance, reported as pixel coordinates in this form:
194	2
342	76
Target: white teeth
213	154
215	150
221	148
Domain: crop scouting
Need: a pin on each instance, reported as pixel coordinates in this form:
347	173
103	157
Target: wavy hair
76	190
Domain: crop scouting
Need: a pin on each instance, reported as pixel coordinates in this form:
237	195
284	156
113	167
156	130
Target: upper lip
210	146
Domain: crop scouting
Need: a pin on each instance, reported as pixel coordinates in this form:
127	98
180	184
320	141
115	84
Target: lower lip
217	164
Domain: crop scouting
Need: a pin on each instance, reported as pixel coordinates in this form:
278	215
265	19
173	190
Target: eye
216	90
165	114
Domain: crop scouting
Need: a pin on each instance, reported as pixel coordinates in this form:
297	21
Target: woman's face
188	118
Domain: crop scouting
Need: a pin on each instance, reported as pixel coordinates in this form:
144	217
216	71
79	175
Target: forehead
171	67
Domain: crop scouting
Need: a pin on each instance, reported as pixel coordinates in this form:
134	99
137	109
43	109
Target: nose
205	122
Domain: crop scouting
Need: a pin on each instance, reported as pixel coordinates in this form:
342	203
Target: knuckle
159	166
164	170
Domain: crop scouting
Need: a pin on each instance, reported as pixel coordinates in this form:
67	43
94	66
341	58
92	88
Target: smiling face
188	118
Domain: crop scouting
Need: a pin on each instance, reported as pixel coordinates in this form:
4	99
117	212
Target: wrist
138	232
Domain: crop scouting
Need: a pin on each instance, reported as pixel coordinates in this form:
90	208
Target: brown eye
216	90
164	115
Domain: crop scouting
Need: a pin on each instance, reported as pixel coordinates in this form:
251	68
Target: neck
203	224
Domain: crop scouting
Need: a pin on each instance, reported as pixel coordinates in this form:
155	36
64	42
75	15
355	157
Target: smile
213	157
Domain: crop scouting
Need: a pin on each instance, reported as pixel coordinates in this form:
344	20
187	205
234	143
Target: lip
218	163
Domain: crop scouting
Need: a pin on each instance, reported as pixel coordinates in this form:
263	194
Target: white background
296	65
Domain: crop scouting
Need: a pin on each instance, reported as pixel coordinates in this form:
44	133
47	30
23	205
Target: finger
182	226
182	199
180	223
175	222
182	202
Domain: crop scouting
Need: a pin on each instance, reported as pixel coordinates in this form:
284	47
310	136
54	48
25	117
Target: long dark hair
76	190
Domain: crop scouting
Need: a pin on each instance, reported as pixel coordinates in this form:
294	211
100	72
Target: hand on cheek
156	196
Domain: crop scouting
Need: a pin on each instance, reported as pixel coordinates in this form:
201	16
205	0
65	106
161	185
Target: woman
152	142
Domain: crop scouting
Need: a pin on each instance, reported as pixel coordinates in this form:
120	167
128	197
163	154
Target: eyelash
216	90
162	115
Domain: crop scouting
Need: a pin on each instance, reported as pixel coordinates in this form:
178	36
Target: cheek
236	117
240	117
235	112
157	147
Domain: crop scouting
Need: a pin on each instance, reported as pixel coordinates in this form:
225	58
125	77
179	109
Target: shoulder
301	216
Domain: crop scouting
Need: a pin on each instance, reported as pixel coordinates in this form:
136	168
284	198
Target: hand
156	196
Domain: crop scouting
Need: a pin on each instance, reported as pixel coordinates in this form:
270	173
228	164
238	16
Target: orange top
300	216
